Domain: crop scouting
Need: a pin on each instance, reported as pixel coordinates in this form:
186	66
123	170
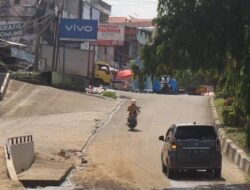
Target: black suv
189	147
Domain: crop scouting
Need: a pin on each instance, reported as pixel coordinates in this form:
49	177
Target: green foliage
248	134
139	73
219	104
221	93
187	77
244	89
238	136
228	115
109	94
212	36
24	75
197	34
3	68
248	178
220	90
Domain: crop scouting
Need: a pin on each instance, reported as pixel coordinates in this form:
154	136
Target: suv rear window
195	132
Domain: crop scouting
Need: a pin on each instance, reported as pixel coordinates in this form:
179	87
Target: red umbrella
124	74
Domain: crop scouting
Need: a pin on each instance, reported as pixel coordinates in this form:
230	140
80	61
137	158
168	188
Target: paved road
117	158
57	119
121	159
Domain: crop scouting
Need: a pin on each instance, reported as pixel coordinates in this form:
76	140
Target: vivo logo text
78	28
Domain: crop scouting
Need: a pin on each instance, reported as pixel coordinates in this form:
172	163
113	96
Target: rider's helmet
133	101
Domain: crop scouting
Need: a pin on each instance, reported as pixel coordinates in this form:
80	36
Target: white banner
110	35
21	54
9	30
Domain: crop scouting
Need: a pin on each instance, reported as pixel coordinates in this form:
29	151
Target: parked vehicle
102	73
189	147
197	90
78	65
166	85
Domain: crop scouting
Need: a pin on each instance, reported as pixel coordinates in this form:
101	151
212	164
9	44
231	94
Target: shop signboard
10	30
78	30
110	35
22	54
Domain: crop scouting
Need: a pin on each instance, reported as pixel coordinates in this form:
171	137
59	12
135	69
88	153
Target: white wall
22	156
76	60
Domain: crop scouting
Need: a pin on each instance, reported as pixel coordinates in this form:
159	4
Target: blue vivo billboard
78	29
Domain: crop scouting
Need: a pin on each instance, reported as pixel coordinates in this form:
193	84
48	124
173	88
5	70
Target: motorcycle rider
133	109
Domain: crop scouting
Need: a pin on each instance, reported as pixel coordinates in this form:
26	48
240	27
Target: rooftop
25	8
131	21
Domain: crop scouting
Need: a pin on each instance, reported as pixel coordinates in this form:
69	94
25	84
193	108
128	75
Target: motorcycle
132	122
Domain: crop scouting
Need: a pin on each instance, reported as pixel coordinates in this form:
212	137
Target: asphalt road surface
121	159
117	158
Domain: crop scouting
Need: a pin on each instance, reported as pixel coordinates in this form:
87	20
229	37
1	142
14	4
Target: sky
134	8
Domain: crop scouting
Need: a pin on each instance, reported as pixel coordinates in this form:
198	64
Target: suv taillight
173	145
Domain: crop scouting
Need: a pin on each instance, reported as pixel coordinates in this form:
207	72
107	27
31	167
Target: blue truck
166	85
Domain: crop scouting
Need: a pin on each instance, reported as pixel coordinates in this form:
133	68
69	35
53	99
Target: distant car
189	147
197	90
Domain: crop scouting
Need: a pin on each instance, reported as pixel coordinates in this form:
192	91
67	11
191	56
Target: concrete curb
91	136
10	166
34	183
229	148
21	152
4	87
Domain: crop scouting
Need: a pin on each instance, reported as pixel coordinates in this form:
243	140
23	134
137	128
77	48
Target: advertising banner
78	30
10	30
110	35
22	54
130	33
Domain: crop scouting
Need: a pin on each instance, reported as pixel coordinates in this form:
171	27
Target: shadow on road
196	176
135	130
214	187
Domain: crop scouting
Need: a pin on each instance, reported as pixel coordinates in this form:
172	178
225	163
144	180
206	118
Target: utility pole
40	11
57	42
37	46
93	67
81	9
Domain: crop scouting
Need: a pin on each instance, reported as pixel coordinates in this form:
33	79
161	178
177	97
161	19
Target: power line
31	24
37	19
133	2
48	24
33	13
